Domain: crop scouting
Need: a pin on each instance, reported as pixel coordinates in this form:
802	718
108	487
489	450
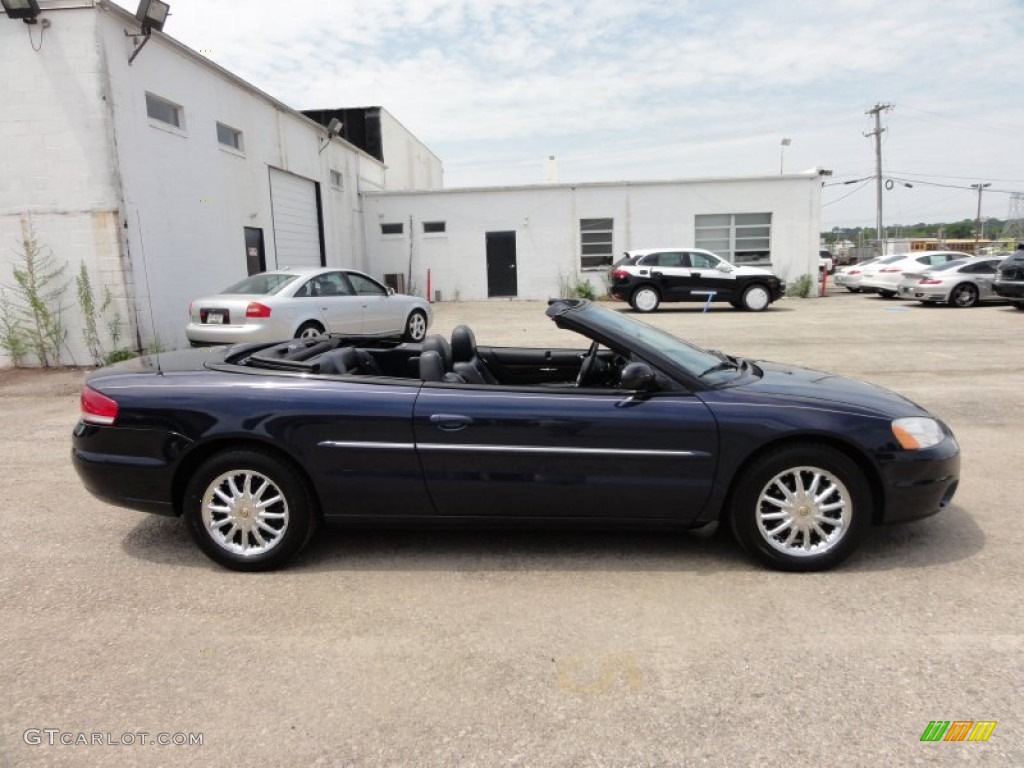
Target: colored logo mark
958	730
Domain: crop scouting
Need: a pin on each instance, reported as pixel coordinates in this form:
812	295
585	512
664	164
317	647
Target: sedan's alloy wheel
245	513
804	511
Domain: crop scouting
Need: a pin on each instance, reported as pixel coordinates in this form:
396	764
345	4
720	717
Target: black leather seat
439	344
339	361
432	369
465	360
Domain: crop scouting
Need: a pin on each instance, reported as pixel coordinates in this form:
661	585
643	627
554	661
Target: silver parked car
305	302
959	283
850	277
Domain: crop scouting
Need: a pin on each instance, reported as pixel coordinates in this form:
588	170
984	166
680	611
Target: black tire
964	296
225	530
645	299
308	330
885	294
791	466
415	326
1019	305
756	298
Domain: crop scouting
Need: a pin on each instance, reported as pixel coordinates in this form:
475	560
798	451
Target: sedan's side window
702	261
329	284
364	286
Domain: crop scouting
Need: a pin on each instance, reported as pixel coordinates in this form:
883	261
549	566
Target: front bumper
920	483
1009	289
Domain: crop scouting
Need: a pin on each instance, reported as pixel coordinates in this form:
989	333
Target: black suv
1009	282
647	278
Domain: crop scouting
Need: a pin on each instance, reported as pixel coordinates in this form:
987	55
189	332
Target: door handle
450	422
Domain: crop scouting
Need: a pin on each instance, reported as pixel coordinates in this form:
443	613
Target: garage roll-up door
298	239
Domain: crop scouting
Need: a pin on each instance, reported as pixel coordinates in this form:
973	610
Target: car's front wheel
416	326
645	299
309	330
885	294
801	508
248	510
964	295
756	298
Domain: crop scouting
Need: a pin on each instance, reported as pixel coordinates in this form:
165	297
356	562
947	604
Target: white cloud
645	88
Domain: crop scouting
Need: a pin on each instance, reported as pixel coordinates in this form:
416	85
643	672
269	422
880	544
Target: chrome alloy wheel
804	511
646	299
245	512
416	327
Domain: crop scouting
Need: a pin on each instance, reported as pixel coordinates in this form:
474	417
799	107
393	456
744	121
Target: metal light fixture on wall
782	152
151	15
26	10
334	128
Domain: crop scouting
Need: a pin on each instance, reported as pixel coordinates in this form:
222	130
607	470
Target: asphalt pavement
406	648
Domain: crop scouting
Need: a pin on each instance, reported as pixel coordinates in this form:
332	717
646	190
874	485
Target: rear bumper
204	333
131	468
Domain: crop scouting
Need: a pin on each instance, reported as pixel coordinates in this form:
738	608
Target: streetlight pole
782	152
977	219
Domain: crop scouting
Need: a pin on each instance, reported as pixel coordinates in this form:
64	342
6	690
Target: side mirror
638	377
391	291
724	266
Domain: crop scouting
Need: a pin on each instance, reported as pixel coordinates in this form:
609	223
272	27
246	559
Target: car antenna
149	293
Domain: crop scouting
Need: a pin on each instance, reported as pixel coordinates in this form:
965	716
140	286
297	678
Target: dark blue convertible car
256	444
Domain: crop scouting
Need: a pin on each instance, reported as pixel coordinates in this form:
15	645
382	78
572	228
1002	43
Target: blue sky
635	89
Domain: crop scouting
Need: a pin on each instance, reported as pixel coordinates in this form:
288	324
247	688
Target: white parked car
883	276
850	277
960	283
305	302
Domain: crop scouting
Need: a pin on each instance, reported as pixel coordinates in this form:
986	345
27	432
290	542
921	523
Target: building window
434	227
392	229
163	110
596	243
742	238
337	180
229	137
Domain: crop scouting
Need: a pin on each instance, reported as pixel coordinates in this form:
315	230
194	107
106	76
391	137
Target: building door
255	256
501	264
298	224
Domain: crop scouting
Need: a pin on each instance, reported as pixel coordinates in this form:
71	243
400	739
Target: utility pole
877	111
977	219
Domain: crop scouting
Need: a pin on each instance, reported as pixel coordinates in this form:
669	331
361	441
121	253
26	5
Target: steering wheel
588	364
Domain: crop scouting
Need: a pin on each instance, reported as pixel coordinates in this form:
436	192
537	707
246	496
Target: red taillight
255	309
97	408
620	273
929	281
854	272
890	269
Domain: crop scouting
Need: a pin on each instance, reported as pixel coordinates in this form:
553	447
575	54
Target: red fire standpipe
824	281
428	286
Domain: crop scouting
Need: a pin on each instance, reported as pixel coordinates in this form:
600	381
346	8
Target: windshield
263	284
711	367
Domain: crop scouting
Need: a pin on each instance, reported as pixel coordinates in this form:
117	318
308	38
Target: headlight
917	432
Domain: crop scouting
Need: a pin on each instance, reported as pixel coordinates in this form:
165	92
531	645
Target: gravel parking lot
537	649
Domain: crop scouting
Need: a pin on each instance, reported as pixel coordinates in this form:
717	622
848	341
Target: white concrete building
170	177
532	242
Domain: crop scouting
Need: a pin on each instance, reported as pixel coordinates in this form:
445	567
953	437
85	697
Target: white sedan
301	303
883	276
850	277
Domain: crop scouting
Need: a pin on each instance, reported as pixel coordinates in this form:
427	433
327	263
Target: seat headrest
463	344
431	366
439	344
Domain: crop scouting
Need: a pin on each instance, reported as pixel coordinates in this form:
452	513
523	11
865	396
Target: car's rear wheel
645	299
801	508
416	326
756	298
309	330
248	510
964	295
885	294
